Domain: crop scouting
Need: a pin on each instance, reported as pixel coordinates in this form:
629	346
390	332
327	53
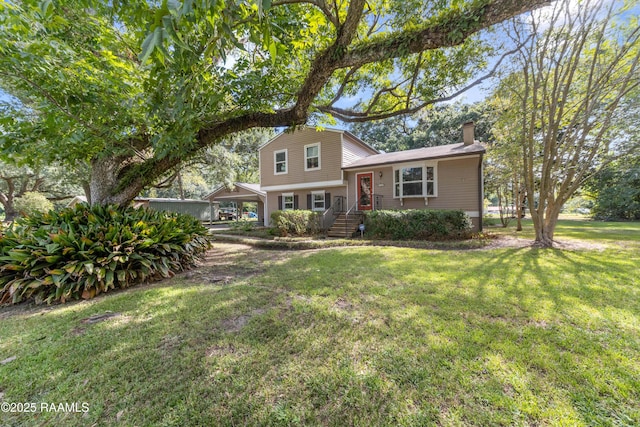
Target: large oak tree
136	87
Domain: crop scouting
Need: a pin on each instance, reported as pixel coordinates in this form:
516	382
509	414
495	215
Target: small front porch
340	221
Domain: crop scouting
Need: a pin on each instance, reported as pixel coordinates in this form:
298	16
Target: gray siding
457	181
353	150
330	158
197	209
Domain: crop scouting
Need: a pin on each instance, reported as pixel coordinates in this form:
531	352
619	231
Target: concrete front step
346	224
339	234
344	227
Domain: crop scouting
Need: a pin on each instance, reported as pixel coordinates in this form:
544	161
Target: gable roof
168	200
344	132
442	151
252	188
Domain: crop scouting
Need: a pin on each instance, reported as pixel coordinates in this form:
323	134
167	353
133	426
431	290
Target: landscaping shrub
243	225
488	222
295	222
31	203
83	251
417	224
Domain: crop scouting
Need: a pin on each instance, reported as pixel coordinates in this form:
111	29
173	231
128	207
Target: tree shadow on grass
345	337
549	318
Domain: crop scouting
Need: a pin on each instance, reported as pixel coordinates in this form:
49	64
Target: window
414	181
280	162
317	201
287	201
411	181
431	181
312	157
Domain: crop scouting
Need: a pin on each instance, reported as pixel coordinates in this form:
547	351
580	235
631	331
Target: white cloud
559	11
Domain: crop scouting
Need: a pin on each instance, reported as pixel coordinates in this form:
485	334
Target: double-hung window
287	201
312	157
317	200
280	162
430	181
417	180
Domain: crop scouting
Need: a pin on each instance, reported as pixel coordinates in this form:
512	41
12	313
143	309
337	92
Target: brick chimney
468	133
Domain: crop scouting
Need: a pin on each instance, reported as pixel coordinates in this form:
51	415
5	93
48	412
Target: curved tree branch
343	85
353	116
447	31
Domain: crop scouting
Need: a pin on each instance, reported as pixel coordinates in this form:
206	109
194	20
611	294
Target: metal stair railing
329	216
351	211
377	201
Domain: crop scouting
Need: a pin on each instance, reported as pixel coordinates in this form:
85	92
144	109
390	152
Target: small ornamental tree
574	93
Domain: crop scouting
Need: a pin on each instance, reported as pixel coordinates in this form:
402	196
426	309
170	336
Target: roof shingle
451	150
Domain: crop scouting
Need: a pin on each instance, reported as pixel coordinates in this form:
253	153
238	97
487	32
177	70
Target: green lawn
626	233
356	336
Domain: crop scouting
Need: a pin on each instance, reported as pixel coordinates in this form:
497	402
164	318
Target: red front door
365	191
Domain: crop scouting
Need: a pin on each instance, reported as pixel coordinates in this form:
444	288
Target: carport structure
240	193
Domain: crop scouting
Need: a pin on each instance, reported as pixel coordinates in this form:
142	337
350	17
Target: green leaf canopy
137	87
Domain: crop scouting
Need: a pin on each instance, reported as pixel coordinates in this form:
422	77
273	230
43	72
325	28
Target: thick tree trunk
10	213
86	187
544	237
545	224
7	201
106	185
7	204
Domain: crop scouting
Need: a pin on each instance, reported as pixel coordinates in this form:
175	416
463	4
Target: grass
355	336
316	242
626	233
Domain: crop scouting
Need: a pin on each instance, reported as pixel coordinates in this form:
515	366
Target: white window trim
435	180
305	185
424	166
284	203
316	144
324	201
286	162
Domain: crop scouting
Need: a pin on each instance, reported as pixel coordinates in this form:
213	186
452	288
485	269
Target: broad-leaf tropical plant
83	251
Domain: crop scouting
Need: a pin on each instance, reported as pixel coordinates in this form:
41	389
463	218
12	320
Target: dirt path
227	261
515	242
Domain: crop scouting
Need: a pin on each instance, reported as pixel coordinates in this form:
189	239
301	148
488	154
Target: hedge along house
341	176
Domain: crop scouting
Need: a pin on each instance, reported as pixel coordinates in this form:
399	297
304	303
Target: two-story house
304	169
309	169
